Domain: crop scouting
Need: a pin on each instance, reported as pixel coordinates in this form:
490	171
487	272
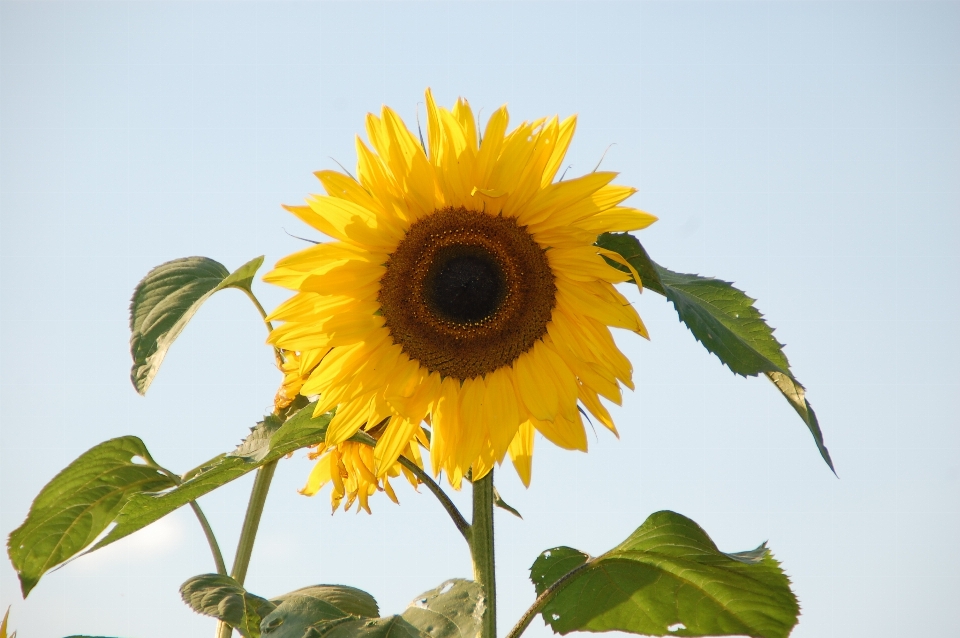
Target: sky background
809	152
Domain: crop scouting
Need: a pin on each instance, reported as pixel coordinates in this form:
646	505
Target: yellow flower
462	287
350	467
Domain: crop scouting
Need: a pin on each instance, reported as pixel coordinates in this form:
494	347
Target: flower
350	467
462	287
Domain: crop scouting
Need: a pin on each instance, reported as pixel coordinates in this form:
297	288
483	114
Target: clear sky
809	151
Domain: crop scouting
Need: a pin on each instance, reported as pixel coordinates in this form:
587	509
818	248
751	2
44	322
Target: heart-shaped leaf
79	503
667	579
724	320
165	301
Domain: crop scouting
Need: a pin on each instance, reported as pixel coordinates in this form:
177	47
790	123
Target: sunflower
463	288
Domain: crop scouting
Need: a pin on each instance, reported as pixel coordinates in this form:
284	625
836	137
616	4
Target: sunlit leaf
299	431
452	610
725	321
165	301
79	503
667	579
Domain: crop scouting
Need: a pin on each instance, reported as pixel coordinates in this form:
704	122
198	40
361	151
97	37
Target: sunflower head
462	287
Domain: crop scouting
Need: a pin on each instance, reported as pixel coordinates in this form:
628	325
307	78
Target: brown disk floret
466	292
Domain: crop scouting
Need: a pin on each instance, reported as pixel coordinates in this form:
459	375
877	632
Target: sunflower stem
481	550
251	522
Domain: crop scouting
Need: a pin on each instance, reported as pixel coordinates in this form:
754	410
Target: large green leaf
667	579
452	610
166	299
79	503
725	321
225	599
300	610
299	431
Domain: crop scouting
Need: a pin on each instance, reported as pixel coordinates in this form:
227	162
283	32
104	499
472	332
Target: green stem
251	522
258	496
462	525
204	523
211	539
256	302
481	550
543	599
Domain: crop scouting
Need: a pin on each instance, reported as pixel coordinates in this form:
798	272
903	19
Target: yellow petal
566	433
565	135
536	385
521	452
504	417
473	426
394	440
351	223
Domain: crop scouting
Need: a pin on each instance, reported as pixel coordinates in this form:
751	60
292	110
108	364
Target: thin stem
481	550
462	525
258	496
211	539
204	523
543	599
256	302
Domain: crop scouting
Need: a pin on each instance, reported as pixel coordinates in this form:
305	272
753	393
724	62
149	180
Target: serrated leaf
257	445
668	579
300	610
723	319
225	599
164	302
79	503
299	431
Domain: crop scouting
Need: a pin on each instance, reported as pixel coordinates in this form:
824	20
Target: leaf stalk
543	599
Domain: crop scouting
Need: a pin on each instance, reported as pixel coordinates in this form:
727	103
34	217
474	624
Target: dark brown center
466	293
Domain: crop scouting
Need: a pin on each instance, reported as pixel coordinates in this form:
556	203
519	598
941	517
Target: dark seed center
465	284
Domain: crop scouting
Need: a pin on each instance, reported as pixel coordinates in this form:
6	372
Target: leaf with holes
299	431
452	610
724	320
165	301
225	599
79	503
667	579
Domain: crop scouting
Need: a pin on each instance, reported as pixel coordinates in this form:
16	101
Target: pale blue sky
810	152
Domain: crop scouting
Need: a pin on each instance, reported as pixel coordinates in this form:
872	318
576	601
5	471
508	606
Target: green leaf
452	610
166	299
725	321
299	431
79	503
502	504
302	609
225	599
667	579
257	445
